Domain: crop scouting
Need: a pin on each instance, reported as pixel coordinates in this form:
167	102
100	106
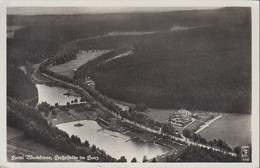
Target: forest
42	35
204	68
134	114
207	67
35	127
198	154
19	86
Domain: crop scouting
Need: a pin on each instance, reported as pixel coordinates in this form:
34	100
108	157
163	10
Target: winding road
148	129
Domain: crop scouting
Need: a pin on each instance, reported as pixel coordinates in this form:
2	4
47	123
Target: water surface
113	143
53	94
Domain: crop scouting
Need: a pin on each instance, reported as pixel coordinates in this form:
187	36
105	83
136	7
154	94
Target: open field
67	69
160	115
205	115
19	145
194	60
234	129
72	115
193	126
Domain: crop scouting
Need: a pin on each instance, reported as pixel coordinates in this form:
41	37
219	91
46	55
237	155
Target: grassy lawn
62	117
160	115
193	125
72	115
83	57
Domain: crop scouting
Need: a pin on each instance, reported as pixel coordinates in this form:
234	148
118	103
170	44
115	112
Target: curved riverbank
114	143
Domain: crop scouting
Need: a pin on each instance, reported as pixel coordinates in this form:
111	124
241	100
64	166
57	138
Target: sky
91	10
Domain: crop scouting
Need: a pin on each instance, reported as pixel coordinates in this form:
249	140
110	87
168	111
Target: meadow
234	129
68	68
160	115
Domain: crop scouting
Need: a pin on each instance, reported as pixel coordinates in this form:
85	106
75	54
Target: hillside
42	35
206	67
203	68
19	86
34	127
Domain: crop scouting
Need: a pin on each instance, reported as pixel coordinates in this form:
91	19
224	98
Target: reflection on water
53	95
113	143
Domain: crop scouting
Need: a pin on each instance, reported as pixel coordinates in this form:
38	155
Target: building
90	82
181	118
183	113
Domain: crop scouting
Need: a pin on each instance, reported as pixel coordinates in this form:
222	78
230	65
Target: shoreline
114	130
207	124
126	137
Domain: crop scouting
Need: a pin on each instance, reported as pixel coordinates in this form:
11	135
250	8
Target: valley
149	91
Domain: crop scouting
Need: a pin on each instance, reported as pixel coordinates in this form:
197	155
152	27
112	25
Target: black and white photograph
130	84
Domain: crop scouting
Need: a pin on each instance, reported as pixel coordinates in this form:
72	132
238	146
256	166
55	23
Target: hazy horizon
93	10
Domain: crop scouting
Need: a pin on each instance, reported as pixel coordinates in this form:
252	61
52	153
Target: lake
53	94
113	143
234	129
